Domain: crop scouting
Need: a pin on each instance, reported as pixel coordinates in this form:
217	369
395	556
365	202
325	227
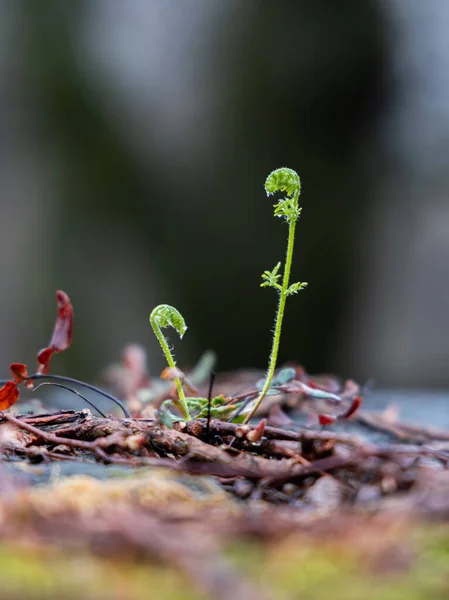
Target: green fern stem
279	317
154	320
281	180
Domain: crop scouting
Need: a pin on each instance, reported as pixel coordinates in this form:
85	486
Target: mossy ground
416	569
413	567
50	573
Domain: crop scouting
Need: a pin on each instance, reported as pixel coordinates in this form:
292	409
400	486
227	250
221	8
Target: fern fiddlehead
281	180
163	316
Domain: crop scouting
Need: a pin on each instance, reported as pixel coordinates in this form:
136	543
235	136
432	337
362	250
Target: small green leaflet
271	277
296	287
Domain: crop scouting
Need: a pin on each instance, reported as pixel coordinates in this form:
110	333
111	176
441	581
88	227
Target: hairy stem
154	320
279	316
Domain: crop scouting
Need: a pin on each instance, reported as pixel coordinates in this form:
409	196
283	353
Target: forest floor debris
191	498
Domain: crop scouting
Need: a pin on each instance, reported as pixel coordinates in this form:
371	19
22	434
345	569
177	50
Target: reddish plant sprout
256	434
62	333
60	340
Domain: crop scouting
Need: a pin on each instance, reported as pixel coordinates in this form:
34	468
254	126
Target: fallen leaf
326	419
353	408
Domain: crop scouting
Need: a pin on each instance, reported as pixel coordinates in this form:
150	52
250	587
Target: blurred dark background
135	140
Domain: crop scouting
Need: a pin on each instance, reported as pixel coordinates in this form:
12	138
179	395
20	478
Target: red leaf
353	408
62	333
43	358
326	419
9	395
19	372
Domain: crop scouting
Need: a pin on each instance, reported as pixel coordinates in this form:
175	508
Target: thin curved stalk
89	386
66	387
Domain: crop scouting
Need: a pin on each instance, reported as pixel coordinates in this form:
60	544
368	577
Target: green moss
314	571
287	570
55	574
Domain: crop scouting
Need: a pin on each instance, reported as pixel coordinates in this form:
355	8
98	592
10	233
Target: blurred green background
136	138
